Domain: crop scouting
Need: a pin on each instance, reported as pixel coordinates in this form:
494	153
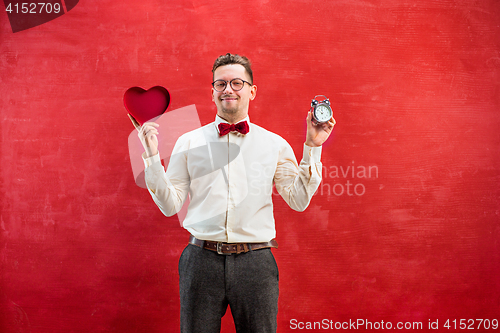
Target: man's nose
228	89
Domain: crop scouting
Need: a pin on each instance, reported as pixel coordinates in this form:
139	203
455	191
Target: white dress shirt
230	180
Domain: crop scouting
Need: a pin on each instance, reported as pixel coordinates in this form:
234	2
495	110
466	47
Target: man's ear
213	99
253	92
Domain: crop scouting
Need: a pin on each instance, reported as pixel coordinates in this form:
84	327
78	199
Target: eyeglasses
236	84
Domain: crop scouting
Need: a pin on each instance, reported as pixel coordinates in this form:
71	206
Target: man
228	260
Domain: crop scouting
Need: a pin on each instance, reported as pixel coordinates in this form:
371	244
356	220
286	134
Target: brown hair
233	59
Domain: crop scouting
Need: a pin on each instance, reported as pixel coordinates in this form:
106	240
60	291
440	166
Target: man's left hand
318	134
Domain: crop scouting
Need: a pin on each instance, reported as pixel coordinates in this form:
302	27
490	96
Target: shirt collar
219	120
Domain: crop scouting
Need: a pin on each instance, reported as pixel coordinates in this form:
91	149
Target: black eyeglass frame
231	84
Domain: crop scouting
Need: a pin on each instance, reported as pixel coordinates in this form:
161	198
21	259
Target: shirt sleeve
169	189
297	183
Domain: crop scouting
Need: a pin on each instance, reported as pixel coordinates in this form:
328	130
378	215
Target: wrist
311	144
150	152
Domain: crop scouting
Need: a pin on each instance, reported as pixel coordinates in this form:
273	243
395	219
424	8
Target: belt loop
246	247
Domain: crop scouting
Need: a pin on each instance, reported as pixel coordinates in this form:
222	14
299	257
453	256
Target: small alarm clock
321	110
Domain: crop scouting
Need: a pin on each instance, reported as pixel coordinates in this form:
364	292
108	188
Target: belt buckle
219	249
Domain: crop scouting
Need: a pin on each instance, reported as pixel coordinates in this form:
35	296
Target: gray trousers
209	282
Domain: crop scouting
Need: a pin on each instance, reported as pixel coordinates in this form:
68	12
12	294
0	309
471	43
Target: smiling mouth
228	98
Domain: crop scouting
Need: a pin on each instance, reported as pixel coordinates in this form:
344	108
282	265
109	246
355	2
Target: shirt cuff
312	154
148	161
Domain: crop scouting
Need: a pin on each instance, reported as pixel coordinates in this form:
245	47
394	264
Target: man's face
232	103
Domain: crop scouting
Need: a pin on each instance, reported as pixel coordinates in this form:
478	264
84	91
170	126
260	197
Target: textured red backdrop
412	235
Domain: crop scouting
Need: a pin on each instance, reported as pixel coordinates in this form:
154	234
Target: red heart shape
145	105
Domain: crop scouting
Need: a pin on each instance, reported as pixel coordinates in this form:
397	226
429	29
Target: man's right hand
148	135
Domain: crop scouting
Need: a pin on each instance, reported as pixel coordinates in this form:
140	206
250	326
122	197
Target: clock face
322	113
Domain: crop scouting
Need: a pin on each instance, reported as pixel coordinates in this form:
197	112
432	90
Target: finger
143	132
330	125
151	138
310	120
134	122
146	127
148	134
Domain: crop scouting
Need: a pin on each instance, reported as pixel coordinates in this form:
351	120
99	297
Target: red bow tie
241	127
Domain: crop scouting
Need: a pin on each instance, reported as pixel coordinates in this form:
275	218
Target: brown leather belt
230	248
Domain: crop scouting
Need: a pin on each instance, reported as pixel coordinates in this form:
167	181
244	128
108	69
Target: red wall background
415	87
